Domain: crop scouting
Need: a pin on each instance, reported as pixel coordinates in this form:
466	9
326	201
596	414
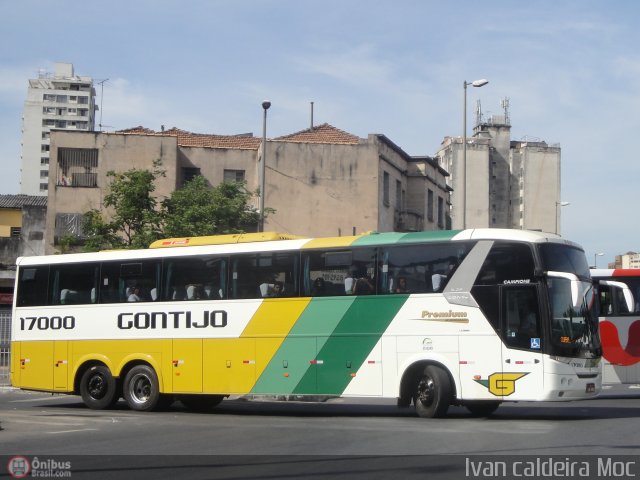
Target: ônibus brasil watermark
22	467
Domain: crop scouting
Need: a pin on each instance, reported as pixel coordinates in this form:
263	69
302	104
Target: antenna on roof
478	113
505	105
312	115
101	83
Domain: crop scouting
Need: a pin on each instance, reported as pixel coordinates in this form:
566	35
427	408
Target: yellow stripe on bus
270	325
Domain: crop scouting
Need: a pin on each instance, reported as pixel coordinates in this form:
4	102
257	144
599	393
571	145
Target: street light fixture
558	205
595	259
265	106
476	83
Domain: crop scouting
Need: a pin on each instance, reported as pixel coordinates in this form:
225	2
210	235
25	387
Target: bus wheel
201	403
432	393
482	409
98	388
141	389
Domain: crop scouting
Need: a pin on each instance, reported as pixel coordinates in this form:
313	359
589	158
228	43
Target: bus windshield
574	321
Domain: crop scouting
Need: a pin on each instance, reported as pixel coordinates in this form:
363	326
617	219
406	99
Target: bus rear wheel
141	388
432	393
98	388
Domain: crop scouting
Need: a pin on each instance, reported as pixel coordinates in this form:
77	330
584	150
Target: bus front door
522	365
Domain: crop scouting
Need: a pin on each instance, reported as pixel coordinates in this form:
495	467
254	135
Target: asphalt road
339	438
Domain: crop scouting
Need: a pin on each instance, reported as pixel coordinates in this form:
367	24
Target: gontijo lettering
164	320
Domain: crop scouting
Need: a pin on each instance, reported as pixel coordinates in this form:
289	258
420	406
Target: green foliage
134	218
197	209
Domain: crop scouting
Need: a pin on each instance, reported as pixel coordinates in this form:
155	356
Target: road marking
73	431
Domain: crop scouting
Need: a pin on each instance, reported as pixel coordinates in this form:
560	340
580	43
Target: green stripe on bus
292	360
432	236
344	352
378	239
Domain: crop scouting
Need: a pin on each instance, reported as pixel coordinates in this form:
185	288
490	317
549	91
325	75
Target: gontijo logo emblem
503	384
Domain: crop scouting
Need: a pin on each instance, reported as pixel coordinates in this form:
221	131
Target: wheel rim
140	388
426	390
97	386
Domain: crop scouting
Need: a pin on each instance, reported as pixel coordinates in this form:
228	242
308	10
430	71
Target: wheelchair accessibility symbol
535	343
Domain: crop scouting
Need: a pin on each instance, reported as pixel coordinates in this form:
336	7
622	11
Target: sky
570	69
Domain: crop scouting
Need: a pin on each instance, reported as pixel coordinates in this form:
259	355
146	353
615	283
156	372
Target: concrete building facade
61	101
321	181
509	184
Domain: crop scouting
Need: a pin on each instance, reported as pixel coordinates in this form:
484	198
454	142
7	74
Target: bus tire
432	393
201	403
98	388
482	409
141	388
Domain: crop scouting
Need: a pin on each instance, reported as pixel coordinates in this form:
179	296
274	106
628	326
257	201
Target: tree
198	209
133	221
135	218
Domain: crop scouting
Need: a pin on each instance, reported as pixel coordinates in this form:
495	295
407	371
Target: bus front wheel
141	388
432	393
98	388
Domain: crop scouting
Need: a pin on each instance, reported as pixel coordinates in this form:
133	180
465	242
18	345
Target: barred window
77	167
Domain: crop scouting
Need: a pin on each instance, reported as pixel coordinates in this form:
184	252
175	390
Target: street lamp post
558	205
463	180
265	106
595	259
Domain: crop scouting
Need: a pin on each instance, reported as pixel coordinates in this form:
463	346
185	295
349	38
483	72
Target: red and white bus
619	311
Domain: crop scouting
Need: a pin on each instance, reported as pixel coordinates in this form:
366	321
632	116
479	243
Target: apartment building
55	101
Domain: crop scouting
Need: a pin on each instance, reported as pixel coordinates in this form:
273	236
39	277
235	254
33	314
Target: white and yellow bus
472	317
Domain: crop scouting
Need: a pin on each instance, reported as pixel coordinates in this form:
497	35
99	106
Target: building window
430	205
440	212
189	173
15	231
233	176
44	174
398	195
44	160
83	100
77	167
68	225
44	148
44	187
385	188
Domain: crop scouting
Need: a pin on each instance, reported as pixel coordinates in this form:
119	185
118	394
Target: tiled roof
324	133
189	139
19	201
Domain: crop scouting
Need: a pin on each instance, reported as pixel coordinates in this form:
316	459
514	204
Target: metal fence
5	346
